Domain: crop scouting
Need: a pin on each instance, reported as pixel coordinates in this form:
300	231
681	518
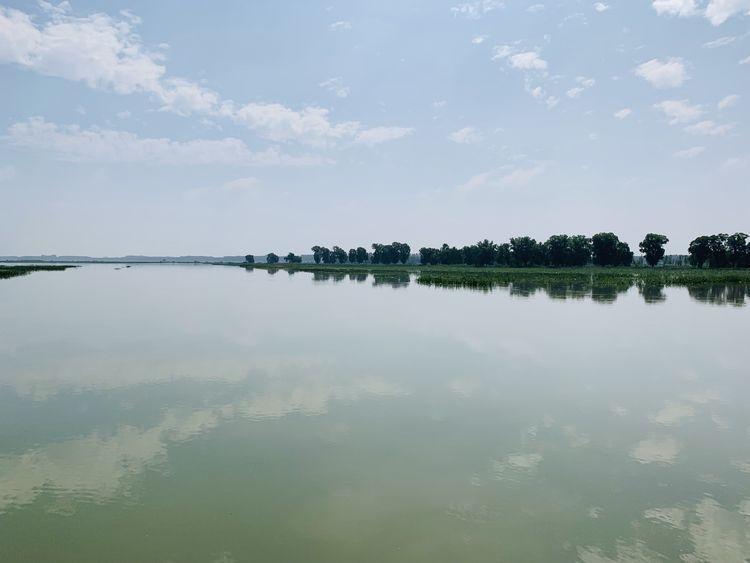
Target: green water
199	413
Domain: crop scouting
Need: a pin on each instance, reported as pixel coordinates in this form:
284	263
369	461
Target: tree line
720	251
602	249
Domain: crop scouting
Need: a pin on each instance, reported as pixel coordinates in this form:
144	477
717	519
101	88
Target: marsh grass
617	279
13	271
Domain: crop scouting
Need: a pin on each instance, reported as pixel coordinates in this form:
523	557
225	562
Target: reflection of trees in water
601	292
395	280
598	290
721	294
652	292
272	271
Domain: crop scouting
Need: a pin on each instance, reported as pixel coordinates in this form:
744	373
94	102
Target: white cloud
668	73
240	184
467	135
623	113
513	177
681	8
728	101
280	123
475	10
336	86
100	51
583	84
479	39
340	26
529	60
123	114
534	8
601	7
745	61
719	11
7	172
720	42
679	111
501	52
692	152
71	143
551	102
437	104
709	128
378	135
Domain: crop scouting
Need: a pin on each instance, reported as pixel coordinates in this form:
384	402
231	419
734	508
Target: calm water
198	413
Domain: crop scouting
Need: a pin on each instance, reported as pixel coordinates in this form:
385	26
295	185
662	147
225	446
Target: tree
316	254
699	251
579	248
429	256
717	251
503	254
526	251
250	259
624	256
339	255
737	250
292	258
272	258
402	251
652	246
608	250
361	255
352	255
557	250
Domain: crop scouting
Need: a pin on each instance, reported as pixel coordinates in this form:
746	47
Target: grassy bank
469	276
13	271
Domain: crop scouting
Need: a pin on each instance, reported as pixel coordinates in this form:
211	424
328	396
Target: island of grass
16	270
490	276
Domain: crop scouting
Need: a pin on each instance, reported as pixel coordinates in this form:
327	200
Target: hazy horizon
176	128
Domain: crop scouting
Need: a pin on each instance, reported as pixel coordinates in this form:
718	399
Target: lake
213	414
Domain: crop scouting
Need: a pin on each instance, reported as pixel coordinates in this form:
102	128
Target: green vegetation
488	277
652	248
559	251
13	271
272	258
720	251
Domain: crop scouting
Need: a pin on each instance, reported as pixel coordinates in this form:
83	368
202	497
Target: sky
224	128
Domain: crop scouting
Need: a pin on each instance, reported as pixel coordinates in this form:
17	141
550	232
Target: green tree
429	256
352	255
624	255
339	255
526	251
717	251
316	254
272	258
606	249
557	250
292	258
699	251
737	250
652	247
579	249
361	255
250	259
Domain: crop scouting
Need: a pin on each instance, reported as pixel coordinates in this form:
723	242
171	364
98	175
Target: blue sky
177	127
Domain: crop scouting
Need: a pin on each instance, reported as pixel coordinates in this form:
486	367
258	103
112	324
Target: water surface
200	413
